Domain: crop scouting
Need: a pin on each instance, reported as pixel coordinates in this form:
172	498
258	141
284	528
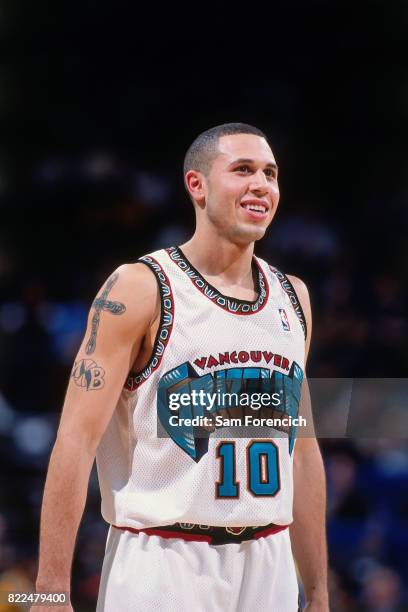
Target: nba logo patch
284	319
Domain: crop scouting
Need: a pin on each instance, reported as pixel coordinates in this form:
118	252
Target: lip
255	214
256	203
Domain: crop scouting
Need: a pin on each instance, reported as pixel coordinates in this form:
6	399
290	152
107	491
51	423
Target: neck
231	262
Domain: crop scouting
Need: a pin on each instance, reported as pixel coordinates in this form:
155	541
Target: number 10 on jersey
262	469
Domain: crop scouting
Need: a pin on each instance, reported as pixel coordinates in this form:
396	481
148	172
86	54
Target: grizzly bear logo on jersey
184	380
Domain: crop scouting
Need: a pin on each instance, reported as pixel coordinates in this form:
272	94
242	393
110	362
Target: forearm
62	508
308	531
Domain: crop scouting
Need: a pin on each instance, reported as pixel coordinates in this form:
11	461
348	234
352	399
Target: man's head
231	176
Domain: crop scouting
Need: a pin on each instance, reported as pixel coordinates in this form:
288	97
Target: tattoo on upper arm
86	373
101	303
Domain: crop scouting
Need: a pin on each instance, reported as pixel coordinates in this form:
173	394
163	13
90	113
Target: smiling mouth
258	208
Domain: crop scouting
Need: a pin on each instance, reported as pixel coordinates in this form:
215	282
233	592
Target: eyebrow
243	160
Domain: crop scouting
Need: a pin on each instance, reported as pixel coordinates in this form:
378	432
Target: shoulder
135	276
298	286
130	280
302	293
131	289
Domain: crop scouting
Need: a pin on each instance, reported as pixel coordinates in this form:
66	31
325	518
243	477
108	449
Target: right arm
106	355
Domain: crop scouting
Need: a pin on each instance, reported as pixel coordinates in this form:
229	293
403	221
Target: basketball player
199	519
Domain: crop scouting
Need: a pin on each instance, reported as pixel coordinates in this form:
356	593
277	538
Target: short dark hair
204	149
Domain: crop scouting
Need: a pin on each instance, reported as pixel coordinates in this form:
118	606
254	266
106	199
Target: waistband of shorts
207	533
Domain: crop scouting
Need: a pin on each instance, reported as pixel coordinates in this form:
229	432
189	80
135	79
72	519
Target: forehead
244	146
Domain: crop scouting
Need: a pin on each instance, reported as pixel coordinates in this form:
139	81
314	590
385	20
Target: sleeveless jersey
214	345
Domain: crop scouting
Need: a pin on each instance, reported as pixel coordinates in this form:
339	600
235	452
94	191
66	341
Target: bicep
307	447
306	429
116	326
94	386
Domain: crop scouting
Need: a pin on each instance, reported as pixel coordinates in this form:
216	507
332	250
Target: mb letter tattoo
87	374
101	303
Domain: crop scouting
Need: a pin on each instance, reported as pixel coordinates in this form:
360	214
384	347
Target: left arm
308	530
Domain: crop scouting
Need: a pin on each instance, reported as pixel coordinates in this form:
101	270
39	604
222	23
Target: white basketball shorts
146	573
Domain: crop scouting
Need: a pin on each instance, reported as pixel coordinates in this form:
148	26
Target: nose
259	182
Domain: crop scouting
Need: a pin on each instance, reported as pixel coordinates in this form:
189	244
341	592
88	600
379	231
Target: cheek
221	209
275	193
226	198
232	190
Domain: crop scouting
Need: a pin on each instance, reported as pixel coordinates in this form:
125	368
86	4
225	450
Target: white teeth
255	207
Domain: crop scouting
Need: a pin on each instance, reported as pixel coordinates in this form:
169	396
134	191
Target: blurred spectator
382	591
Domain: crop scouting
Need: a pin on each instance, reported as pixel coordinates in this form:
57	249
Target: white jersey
214	357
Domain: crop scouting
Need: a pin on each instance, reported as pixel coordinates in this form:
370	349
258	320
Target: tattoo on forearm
86	373
101	303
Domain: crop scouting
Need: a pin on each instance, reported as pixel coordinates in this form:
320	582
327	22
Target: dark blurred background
98	104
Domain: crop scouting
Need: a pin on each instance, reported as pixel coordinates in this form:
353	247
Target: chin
246	235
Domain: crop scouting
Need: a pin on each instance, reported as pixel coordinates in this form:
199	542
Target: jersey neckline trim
228	303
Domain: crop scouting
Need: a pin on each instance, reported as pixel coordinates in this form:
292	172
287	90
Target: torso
206	336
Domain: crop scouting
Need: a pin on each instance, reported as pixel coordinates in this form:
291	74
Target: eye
270	172
243	168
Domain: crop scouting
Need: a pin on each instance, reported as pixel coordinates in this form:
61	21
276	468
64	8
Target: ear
195	185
